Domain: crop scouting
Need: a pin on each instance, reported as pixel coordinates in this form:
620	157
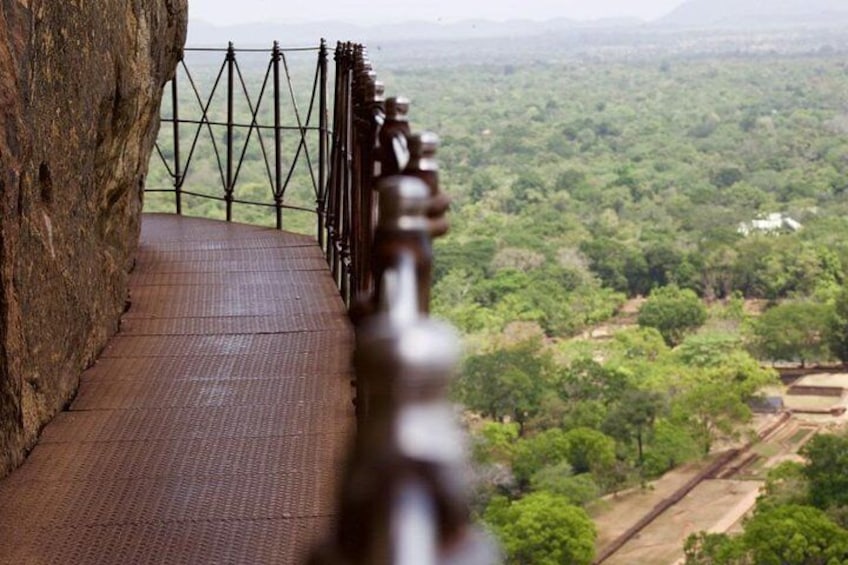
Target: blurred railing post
403	499
394	137
347	176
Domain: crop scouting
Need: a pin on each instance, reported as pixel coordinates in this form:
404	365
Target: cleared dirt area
726	492
708	505
824	379
717	504
616	514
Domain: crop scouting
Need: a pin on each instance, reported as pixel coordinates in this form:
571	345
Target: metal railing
248	111
378	205
404	496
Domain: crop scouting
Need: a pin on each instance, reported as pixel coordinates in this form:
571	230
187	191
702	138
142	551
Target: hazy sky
223	12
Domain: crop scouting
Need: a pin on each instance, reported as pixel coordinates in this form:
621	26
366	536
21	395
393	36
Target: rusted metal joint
394	136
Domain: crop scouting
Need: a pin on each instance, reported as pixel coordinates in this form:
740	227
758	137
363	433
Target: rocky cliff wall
80	86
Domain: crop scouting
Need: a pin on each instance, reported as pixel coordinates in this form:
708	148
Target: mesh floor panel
213	427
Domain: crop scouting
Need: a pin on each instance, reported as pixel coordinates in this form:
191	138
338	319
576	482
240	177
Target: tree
785	484
586	379
778	535
527	188
589	305
547	448
723	360
543	529
708	349
590	451
827	470
495	442
671	445
640	343
704	548
838	330
673	312
793	331
801	535
711	407
633	417
620	266
570	180
560	479
725	177
508	382
663	262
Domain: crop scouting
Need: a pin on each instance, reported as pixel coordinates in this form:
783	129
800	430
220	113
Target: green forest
636	242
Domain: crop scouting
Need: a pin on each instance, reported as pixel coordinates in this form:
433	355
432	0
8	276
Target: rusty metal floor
212	428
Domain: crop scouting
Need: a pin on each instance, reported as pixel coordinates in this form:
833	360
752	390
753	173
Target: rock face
80	86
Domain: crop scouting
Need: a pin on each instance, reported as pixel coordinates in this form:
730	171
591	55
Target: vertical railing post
345	216
228	196
356	160
276	56
322	140
377	117
340	163
336	163
363	174
404	500
175	117
423	166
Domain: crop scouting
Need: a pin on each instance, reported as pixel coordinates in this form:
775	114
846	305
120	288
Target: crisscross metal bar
230	166
204	119
304	128
253	123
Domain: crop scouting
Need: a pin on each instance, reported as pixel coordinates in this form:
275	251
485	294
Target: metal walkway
212	428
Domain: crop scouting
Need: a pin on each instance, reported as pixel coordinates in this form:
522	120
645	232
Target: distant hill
757	13
201	33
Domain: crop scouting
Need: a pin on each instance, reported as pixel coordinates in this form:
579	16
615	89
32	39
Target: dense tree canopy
793	331
795	534
779	535
508	382
673	312
838	331
543	529
827	470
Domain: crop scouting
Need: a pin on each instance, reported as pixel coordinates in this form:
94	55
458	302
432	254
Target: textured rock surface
80	86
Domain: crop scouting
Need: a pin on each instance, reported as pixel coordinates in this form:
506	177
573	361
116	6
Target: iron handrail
230	154
378	206
404	499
